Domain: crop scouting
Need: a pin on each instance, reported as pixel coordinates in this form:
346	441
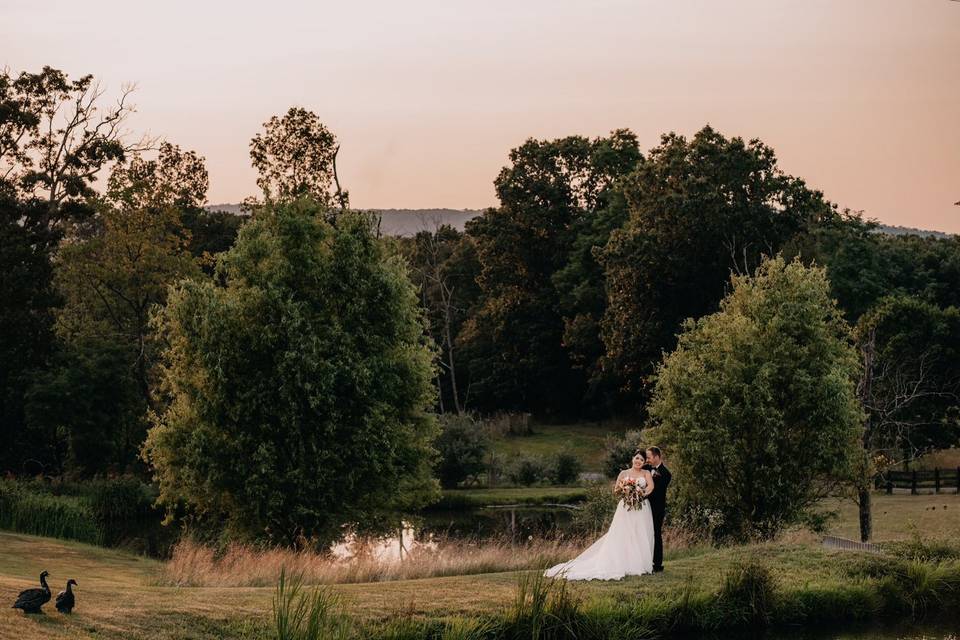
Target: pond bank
812	587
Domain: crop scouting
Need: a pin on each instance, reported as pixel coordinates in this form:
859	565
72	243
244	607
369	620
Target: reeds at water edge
241	565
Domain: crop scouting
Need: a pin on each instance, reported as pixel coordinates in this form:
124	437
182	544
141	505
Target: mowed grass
584	439
117	597
901	516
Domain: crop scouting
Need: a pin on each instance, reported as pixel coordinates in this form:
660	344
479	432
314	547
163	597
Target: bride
626	548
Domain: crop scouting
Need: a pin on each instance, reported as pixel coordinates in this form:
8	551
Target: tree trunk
863	490
866	513
453	370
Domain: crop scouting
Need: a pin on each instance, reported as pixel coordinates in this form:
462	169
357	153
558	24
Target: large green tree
757	406
865	265
27	302
296	156
300	389
515	341
118	267
910	387
699	210
110	274
443	266
57	135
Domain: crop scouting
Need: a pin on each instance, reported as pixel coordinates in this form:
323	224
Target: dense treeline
559	302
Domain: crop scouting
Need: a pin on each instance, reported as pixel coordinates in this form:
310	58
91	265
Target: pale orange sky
860	97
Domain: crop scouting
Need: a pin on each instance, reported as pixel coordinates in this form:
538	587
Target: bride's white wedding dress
626	549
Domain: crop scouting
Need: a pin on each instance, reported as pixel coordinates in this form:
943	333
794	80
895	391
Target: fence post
936	480
913	483
889	486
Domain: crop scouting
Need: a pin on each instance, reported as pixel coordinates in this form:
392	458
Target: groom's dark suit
658	502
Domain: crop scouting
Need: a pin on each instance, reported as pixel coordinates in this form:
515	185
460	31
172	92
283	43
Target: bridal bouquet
629	490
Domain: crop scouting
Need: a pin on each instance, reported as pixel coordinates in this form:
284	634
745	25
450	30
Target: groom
658	501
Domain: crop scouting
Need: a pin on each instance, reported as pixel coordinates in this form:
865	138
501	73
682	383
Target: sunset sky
859	97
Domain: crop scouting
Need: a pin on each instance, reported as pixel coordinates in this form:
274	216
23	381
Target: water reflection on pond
489	523
498	523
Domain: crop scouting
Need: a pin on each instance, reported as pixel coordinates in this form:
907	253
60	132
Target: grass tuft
748	595
300	614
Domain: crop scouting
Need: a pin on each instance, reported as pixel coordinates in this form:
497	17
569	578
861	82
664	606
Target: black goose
31	600
66	599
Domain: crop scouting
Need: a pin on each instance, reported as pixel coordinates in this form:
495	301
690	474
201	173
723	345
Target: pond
486	523
931	630
148	537
517	523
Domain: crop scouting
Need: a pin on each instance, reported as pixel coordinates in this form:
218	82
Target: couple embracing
633	545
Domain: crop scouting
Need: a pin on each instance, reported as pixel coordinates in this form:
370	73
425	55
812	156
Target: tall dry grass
195	565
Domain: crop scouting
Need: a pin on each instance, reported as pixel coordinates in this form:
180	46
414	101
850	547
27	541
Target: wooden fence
927	481
833	542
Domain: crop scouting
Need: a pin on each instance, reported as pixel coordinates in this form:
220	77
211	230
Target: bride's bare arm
649	477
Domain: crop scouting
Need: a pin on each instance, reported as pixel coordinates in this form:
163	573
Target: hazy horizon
858	97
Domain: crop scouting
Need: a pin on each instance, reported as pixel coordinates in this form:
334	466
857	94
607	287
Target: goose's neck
69	587
43	582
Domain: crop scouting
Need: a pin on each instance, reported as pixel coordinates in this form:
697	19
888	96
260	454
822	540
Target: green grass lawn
901	516
584	439
117	597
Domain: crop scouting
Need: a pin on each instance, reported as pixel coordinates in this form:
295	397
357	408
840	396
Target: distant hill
407	222
894	230
397	222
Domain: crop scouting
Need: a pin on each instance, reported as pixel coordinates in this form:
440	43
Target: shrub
765	380
596	512
462	445
565	468
525	470
618	452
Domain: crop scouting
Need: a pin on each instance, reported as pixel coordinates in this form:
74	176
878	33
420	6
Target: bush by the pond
618	451
564	468
596	512
526	470
73	510
462	445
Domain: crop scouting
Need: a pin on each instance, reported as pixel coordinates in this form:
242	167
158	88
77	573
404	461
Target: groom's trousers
658	515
